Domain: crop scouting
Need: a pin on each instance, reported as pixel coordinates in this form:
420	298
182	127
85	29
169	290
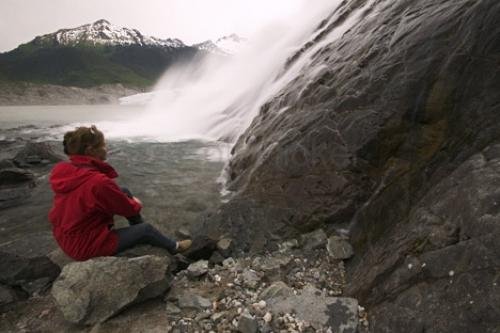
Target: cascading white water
216	99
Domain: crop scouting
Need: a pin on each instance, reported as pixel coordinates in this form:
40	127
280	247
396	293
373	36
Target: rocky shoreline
212	288
24	93
295	289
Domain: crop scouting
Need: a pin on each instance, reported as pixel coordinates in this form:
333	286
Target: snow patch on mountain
102	32
226	45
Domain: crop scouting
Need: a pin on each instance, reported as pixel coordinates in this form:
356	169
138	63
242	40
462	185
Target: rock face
28	275
92	291
443	262
389	132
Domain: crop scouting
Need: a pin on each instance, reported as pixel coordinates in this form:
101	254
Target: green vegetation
88	65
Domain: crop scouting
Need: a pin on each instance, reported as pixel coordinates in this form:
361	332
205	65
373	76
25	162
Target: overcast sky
189	20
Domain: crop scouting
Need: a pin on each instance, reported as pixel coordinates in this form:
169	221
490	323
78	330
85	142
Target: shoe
183	245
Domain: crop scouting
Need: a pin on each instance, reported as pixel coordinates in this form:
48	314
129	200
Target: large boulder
35	153
29	274
385	101
444	261
92	291
16	186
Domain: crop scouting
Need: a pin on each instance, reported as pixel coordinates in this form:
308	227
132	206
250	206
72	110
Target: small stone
225	246
451	273
228	263
201	316
259	305
216	258
7	295
268	317
247	324
313	240
250	278
172	309
198	268
276	290
288	245
192	301
183	233
44	313
218	316
339	248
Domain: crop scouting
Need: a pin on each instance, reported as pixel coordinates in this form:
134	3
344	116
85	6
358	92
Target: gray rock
198	268
250	278
225	246
172	309
189	300
288	245
7	164
183	233
7	295
373	124
313	240
453	241
339	248
36	153
216	258
90	292
59	258
201	248
272	266
338	313
276	290
12	196
247	323
37	286
229	262
15	176
18	271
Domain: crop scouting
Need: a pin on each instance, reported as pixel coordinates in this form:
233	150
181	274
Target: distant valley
94	55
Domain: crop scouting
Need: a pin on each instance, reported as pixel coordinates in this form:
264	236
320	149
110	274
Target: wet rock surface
388	134
28	275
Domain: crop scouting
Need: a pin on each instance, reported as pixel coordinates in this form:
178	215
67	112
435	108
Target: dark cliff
390	132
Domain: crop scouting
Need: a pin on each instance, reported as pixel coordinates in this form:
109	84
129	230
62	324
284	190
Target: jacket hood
67	176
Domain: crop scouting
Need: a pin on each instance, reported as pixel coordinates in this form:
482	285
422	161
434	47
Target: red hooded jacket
86	198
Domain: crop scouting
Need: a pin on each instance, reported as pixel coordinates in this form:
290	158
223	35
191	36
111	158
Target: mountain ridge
99	53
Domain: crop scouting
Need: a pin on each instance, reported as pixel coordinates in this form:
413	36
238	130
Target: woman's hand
137	200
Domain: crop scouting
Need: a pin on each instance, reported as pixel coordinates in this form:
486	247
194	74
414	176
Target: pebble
268	317
243	298
259	305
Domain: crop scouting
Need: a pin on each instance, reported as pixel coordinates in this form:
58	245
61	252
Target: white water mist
216	98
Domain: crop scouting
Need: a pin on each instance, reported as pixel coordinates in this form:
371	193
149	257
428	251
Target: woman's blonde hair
76	142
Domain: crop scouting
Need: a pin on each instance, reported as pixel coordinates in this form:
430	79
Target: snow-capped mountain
103	32
226	45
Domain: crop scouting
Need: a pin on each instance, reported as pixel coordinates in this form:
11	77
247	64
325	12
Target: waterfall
216	98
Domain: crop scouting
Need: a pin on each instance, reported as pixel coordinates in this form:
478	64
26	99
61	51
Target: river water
178	182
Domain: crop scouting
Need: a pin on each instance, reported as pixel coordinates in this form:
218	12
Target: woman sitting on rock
86	198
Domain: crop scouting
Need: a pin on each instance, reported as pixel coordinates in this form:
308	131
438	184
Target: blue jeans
142	233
